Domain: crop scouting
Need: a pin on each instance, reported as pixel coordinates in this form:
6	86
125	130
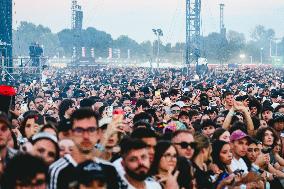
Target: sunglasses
185	145
175	111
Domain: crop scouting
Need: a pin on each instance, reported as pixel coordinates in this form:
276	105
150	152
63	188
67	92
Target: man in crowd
85	136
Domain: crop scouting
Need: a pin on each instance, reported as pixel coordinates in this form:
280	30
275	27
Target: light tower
193	22
222	25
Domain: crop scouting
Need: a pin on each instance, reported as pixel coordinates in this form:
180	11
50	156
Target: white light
242	56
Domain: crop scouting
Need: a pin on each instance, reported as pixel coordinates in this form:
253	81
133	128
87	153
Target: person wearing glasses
85	136
166	164
184	142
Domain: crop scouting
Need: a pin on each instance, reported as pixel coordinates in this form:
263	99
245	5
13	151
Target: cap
278	117
237	135
89	171
44	135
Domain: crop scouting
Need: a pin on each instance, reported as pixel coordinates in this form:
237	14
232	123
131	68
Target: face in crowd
253	152
239	147
137	164
168	161
84	134
184	144
226	155
46	150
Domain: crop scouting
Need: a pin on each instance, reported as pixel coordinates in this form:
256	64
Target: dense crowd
126	128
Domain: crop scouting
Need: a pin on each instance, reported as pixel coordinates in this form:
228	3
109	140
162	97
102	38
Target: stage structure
193	24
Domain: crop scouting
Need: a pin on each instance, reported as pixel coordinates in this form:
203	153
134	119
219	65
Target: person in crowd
184	142
136	163
85	136
45	145
166	163
25	171
65	146
221	134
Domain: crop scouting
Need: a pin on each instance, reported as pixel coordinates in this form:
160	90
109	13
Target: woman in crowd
221	134
222	157
165	164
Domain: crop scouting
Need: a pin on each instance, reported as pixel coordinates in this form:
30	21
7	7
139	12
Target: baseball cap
44	135
89	171
237	135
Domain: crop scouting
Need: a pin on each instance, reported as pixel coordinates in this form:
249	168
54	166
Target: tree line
215	47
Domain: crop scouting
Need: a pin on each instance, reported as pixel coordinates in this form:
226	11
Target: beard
140	176
40	107
85	149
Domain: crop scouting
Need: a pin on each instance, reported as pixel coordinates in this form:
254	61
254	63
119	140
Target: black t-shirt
203	179
63	174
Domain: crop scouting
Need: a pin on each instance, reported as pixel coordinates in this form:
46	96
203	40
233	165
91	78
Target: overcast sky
136	18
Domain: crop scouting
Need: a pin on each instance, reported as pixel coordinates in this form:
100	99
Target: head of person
267	113
208	127
31	124
49	128
184	118
278	146
149	137
65	147
202	148
221	154
254	107
280	108
253	150
268	136
278	121
5	133
193	115
228	98
39	103
175	110
84	134
239	143
221	134
90	175
173	93
25	171
219	120
135	158
66	108
184	142
45	145
165	159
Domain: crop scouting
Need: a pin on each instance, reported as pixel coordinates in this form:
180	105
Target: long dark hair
216	149
160	149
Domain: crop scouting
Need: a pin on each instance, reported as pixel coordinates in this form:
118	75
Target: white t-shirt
239	164
149	183
118	166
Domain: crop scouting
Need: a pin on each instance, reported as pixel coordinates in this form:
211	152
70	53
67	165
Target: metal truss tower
193	23
76	27
222	25
6	34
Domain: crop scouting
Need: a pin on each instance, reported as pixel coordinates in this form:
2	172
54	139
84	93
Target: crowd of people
139	128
